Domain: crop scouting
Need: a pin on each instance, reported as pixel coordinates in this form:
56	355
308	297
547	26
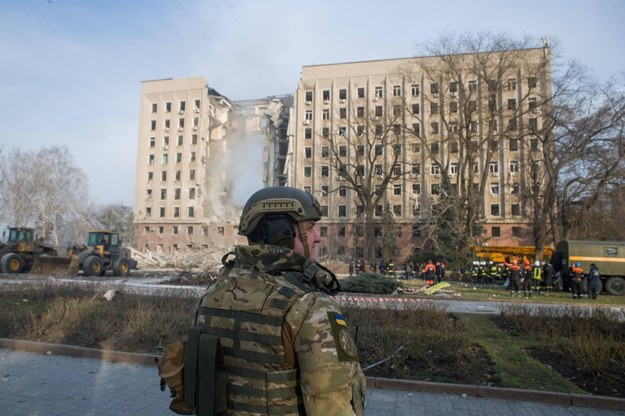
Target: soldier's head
282	216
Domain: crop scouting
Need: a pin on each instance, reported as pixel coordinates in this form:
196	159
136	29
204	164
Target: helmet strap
304	237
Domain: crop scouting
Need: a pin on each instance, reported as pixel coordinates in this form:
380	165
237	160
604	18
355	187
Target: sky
71	70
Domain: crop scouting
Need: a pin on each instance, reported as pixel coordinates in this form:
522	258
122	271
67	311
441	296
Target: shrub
370	283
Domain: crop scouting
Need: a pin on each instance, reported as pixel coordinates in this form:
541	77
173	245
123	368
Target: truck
608	256
500	254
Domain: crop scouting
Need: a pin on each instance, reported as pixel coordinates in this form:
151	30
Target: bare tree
42	189
482	89
367	158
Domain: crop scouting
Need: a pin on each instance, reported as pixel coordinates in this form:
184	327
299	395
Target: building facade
407	133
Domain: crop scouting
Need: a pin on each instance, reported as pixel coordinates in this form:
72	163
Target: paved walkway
45	385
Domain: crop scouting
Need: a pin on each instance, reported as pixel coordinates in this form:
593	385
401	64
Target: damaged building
199	155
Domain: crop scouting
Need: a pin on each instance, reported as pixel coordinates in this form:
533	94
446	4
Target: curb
555	398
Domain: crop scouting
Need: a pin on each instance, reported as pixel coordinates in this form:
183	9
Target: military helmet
293	202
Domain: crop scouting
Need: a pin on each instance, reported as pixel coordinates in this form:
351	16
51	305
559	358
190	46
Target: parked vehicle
609	256
103	253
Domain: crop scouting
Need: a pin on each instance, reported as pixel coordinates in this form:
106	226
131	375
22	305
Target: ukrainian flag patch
340	320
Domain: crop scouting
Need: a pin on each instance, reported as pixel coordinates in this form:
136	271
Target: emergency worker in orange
428	272
514	278
577	281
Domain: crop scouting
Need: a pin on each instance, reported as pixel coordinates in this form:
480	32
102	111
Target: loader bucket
55	266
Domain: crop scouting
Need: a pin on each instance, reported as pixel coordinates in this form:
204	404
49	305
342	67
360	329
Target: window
514	145
179	141
176	193
396	90
360	130
178	157
360	150
415	90
397	169
154	107
182	106
360	92
325	114
326	95
454	168
397	129
514	166
531	103
397	110
533	124
416	147
516	189
164	175
453	106
511	84
152	124
342	151
325	171
341	232
307	152
191	193
397	189
307	171
192	174
192	157
342	211
379	92
378	170
360	112
416	188
194	139
434	127
516	232
512	124
191	212
165	159
176	215
220	230
342	191
515	209
196	106
473	86
415	109
379	130
435	189
494	210
378	149
181	123
454	146
324	190
534	145
435	169
493	168
309	96
434	88
416	128
343	94
342	131
379	111
152	141
434	108
453	87
325	151
378	210
163	193
308	116
494	188
397	209
416	169
324	210
308	133
325	132
342	112
162	215
148	212
495	231
511	104
532	82
434	148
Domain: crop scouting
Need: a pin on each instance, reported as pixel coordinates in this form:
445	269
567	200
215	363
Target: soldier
286	347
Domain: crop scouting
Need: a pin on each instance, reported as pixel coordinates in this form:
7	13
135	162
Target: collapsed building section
199	156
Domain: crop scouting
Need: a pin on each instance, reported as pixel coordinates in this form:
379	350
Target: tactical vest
246	310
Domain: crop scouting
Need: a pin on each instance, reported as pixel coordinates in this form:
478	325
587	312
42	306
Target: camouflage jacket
285	341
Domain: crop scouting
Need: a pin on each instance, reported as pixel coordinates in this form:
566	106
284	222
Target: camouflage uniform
285	342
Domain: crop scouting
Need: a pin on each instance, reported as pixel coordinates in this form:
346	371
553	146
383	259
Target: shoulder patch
345	346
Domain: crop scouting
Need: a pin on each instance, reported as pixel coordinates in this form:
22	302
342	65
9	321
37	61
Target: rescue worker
537	276
286	347
526	279
514	278
594	281
576	280
548	274
493	272
428	273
